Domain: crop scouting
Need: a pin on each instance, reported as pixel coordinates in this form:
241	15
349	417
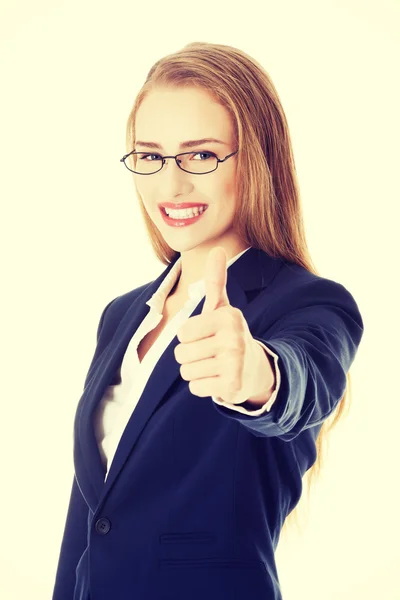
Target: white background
73	239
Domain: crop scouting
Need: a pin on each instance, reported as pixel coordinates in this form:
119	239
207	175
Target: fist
217	352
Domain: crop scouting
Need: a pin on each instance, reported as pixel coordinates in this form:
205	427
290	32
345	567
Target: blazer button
103	526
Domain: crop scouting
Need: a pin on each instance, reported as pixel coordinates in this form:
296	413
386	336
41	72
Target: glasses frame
163	158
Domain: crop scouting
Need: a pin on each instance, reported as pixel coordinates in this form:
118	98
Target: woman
210	388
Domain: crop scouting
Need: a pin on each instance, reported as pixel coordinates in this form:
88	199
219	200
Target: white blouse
118	402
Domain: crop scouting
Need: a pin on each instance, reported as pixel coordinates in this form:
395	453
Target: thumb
215	280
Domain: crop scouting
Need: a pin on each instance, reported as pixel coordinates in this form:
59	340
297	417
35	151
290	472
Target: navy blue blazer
197	493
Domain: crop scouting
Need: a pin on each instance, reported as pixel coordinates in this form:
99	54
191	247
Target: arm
316	341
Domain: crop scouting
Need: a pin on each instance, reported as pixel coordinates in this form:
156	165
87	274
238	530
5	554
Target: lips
179	205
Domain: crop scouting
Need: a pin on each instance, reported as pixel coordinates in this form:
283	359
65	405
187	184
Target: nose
173	180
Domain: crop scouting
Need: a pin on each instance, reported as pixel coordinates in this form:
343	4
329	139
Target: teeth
185	213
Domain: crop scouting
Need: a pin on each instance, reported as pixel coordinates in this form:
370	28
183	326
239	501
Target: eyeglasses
139	162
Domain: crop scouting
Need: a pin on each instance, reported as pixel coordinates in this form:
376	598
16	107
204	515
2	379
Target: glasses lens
143	162
198	162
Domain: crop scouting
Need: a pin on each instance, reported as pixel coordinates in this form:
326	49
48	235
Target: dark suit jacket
197	493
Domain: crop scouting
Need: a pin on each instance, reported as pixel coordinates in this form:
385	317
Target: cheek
229	189
146	190
223	189
141	186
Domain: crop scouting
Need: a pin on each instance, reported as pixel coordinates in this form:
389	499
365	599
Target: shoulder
293	278
121	303
294	288
115	310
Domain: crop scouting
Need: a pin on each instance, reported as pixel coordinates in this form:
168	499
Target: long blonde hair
269	215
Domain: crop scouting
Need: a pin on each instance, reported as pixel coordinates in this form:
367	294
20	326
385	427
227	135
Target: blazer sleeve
74	540
316	341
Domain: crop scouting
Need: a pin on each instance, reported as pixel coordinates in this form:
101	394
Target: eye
145	156
210	155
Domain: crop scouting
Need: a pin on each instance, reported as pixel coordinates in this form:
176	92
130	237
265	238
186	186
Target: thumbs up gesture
218	354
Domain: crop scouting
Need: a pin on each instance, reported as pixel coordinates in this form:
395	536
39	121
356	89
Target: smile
182	221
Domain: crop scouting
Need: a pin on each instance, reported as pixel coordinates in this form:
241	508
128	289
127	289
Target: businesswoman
209	392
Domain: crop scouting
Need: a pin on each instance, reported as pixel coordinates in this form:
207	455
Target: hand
217	351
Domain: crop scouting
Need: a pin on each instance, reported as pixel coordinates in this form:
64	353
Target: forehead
172	115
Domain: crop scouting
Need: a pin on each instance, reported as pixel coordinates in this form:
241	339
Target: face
168	117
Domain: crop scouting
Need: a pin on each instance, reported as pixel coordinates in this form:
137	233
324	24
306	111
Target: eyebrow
188	144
